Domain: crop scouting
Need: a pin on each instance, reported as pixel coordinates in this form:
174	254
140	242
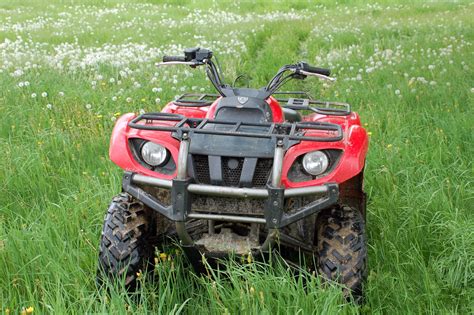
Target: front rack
277	131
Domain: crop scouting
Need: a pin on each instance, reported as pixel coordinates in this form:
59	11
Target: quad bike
240	172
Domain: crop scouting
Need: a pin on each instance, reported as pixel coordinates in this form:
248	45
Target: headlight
154	154
315	163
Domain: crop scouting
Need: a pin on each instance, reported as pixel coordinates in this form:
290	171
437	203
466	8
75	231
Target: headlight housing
315	163
154	154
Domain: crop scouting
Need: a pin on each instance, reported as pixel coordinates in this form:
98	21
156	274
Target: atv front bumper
274	215
183	189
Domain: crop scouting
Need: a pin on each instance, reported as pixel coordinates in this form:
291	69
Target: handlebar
306	67
199	56
174	58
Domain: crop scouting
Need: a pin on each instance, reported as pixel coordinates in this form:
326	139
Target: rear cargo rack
195	99
321	107
278	131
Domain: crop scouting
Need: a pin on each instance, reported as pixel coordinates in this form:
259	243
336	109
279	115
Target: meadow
69	68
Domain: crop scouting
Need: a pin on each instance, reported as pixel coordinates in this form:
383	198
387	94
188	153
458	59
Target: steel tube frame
181	175
221	217
224	191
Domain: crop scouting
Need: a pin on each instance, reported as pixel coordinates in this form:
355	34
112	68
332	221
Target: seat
291	115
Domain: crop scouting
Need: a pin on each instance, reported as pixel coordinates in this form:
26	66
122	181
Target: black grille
232	171
262	172
201	169
231	176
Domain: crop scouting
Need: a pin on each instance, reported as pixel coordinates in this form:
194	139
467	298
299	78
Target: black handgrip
173	58
308	68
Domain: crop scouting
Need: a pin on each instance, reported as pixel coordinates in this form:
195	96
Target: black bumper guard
274	214
282	135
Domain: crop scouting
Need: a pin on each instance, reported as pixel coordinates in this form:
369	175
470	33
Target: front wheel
125	243
342	249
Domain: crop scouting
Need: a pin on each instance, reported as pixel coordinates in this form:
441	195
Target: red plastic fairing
187	111
121	154
354	146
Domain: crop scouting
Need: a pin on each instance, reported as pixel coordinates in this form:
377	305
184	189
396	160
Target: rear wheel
342	249
125	244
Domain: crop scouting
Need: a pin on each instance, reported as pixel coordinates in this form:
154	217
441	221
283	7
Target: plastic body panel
354	143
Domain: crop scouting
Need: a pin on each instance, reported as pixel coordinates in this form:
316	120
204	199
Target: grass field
68	69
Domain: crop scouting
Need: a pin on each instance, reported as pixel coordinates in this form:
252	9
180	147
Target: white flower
17	73
142	111
49	106
44	94
27	83
431	67
201	89
88	106
114	98
21	84
112	80
33	95
389	86
472	90
61	94
433	83
157	100
397	92
113	118
128	99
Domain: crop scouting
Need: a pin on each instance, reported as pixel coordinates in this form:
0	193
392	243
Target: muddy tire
125	243
342	249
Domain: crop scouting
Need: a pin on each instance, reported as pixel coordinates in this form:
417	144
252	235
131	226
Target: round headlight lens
315	163
154	154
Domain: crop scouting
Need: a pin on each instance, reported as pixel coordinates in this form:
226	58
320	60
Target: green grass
405	67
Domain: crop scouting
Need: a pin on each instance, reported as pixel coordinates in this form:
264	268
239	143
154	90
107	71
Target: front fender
121	154
354	148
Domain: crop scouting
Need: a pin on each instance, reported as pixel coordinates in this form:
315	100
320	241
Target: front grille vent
201	169
232	171
262	172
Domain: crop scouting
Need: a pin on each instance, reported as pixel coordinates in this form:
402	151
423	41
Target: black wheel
125	243
342	249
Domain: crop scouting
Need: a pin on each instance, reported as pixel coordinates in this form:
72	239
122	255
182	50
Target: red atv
241	173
